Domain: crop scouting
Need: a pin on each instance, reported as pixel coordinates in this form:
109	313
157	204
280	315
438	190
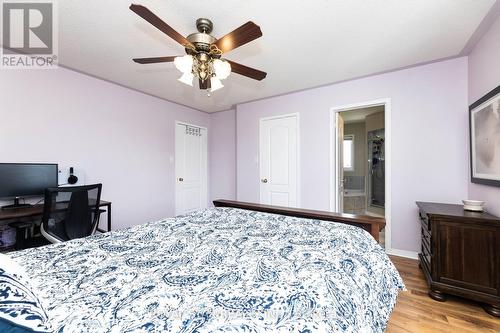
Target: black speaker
72	179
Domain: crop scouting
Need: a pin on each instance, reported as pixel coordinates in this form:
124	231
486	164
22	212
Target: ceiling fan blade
159	23
238	37
153	60
247	71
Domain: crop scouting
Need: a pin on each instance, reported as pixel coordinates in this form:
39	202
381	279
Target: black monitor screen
20	179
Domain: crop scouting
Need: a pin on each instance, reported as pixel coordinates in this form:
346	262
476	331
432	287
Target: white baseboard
402	253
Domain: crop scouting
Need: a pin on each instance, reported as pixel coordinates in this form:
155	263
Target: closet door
190	168
279	161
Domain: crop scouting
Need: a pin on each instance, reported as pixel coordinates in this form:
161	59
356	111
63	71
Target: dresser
460	254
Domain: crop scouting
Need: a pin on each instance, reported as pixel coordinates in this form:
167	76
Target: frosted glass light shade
184	63
187	78
215	84
222	69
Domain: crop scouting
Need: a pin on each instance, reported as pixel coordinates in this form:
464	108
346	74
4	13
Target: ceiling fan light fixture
215	84
184	63
203	51
222	69
187	78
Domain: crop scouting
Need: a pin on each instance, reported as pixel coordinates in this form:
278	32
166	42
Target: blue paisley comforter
218	270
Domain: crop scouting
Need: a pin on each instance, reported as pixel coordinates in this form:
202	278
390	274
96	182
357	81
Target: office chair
70	212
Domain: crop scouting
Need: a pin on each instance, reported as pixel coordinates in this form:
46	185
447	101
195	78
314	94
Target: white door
278	161
339	131
190	168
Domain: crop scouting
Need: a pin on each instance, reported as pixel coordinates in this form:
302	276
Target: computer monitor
19	180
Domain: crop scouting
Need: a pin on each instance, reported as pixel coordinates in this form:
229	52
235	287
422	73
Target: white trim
299	201
402	253
388	173
386	102
295	115
333	158
339	200
288	115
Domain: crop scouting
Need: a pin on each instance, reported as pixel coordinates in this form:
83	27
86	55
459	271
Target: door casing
339	157
386	102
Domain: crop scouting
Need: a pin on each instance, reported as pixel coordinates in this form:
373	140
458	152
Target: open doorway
360	176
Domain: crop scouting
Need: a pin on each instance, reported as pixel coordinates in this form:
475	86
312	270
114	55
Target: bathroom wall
375	121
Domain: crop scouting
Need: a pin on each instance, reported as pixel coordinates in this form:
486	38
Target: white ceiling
305	43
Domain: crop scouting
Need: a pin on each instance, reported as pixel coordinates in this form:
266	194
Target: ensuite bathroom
364	161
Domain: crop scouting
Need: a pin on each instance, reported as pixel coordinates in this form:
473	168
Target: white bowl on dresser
473	205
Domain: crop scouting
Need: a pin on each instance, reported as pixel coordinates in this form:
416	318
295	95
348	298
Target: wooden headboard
369	223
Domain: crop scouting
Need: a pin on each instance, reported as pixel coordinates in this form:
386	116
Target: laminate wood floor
416	312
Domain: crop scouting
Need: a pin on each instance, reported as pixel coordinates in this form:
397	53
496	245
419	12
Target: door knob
264	180
181	179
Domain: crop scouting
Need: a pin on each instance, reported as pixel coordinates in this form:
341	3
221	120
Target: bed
223	269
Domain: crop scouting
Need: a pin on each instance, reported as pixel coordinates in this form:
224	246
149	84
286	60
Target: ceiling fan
203	51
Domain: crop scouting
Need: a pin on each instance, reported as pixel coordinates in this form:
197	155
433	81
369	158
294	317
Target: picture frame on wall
484	123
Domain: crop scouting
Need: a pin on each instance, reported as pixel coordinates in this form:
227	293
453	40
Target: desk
37	211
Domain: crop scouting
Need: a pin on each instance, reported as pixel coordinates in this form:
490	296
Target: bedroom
115	122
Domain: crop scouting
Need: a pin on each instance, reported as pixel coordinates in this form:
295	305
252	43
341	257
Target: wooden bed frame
369	223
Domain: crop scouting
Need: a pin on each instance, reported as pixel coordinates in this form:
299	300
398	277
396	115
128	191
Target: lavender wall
222	149
429	133
484	75
117	136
